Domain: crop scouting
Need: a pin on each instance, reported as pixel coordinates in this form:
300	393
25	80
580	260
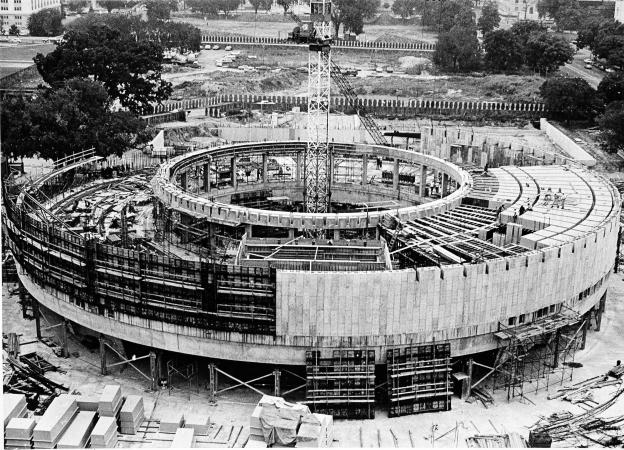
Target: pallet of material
13	405
78	433
18	432
199	423
104	434
110	401
316	430
171	424
86	403
55	421
184	438
132	414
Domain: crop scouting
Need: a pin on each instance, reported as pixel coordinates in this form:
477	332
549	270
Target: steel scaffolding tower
317	159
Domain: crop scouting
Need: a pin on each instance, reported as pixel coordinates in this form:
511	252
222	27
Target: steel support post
277	374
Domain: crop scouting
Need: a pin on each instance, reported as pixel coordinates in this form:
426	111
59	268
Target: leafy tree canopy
490	19
503	51
445	15
74	117
458	50
14	30
286	4
612	125
351	14
570	98
160	9
611	88
130	70
46	22
261	4
77	5
404	8
545	52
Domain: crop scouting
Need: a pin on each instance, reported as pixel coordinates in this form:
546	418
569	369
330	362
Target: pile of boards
186	429
277	423
511	440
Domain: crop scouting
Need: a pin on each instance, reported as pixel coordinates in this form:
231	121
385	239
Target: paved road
577	69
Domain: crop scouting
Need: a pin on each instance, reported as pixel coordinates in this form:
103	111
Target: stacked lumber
78	433
581	392
13	405
104	434
495	441
55	421
110	401
199	423
255	428
171	424
132	414
184	438
18	432
88	403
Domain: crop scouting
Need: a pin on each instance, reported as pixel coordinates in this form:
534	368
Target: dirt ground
234	408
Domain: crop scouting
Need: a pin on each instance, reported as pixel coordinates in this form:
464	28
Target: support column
556	352
207	178
445	180
468	386
585	327
153	370
331	169
183	181
395	177
423	179
298	169
291	233
265	168
65	350
212	383
336	235
37	314
233	174
103	369
364	170
212	238
248	230
278	375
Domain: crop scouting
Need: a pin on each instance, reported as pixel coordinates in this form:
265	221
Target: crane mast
317	177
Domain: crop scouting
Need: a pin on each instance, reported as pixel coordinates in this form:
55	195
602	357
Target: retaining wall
567	144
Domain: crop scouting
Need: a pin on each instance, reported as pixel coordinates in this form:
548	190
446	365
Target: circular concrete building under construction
416	260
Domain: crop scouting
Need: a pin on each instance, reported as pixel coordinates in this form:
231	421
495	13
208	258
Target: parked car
588	66
609	70
228	48
587	61
216	47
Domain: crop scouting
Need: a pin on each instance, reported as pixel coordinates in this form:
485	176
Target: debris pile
511	440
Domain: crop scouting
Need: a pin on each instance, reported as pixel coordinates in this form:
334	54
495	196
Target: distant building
17	12
619	11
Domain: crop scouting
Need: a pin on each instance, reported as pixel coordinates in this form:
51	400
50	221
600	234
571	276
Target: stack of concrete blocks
514	233
110	401
55	421
104	434
79	432
199	423
184	438
86	403
171	424
13	405
316	430
18	432
132	414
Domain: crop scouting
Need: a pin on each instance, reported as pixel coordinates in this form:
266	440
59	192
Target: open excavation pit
419	260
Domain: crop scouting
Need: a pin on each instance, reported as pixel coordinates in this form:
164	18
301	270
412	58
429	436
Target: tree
130	70
444	15
570	16
404	8
160	9
588	31
286	4
609	44
264	4
546	52
570	98
109	5
612	125
490	19
503	52
611	88
203	6
351	14
458	50
227	6
77	5
14	31
60	121
46	22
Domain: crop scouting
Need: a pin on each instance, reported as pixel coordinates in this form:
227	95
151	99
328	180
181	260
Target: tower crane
321	70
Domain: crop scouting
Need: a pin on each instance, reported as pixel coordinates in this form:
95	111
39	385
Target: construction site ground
232	410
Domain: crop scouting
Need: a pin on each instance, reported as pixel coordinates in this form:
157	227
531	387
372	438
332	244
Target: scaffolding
343	385
419	379
535	356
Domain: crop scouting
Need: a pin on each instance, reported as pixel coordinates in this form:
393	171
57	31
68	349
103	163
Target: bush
46	22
